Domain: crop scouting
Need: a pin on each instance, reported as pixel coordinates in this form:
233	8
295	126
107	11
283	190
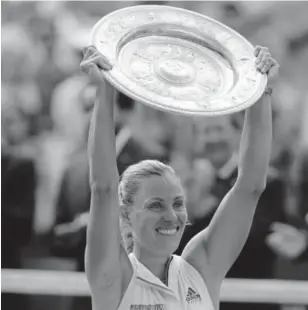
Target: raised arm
214	250
104	251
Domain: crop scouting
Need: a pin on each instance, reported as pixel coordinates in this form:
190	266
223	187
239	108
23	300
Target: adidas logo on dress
192	296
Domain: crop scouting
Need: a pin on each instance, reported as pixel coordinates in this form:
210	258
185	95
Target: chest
182	297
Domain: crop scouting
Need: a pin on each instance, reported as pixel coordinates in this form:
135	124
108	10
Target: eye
178	204
156	206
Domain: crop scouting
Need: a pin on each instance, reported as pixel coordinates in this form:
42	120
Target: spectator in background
56	146
303	161
18	185
146	134
21	62
20	105
217	141
291	240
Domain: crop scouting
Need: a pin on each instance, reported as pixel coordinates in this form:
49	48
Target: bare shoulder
108	291
195	253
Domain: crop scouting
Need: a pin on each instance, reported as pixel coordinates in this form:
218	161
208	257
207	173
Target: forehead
165	187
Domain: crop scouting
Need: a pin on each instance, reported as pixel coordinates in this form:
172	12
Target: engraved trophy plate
178	61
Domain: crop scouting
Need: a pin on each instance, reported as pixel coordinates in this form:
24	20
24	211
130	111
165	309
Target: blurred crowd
46	104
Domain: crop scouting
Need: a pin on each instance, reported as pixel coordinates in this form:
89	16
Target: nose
170	216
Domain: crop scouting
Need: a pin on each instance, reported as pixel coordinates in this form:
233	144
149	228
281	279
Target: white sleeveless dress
186	289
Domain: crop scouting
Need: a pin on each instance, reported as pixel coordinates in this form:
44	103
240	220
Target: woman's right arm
105	258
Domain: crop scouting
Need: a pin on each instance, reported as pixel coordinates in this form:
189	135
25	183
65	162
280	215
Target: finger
94	52
88	51
100	60
92	57
263	60
84	51
97	60
103	62
263	57
267	66
260	50
257	50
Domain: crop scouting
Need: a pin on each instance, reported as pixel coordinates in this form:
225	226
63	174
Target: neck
154	262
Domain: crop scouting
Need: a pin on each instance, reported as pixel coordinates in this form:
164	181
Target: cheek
144	223
183	216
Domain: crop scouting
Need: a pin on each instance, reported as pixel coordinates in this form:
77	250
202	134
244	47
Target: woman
150	202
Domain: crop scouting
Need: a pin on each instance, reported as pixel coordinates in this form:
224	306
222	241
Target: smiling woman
145	211
151	200
146	191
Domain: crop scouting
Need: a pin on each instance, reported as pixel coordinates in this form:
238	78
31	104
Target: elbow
258	190
103	188
99	183
253	188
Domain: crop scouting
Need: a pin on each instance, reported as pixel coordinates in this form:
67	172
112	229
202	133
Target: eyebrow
162	200
179	198
156	198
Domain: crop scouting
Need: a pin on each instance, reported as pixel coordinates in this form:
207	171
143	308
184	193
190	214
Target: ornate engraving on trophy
127	21
172	66
234	99
143	56
151	16
169	70
175	71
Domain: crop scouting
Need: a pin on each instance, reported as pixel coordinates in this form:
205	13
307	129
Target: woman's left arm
213	251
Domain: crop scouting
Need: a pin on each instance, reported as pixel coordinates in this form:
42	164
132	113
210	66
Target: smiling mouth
168	232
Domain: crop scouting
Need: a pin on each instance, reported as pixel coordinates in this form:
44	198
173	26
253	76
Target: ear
124	214
131	216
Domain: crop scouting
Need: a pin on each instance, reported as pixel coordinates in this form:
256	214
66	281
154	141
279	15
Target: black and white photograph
154	155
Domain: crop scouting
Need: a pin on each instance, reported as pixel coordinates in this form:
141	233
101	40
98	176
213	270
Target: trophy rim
118	80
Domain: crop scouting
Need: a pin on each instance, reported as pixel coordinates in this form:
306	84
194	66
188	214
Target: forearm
255	146
101	144
102	229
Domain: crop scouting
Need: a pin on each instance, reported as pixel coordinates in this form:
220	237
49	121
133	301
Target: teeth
167	231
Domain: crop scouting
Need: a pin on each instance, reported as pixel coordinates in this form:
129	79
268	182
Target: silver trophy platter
178	60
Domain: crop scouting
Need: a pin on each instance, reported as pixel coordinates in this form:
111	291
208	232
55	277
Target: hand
266	64
287	240
92	64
